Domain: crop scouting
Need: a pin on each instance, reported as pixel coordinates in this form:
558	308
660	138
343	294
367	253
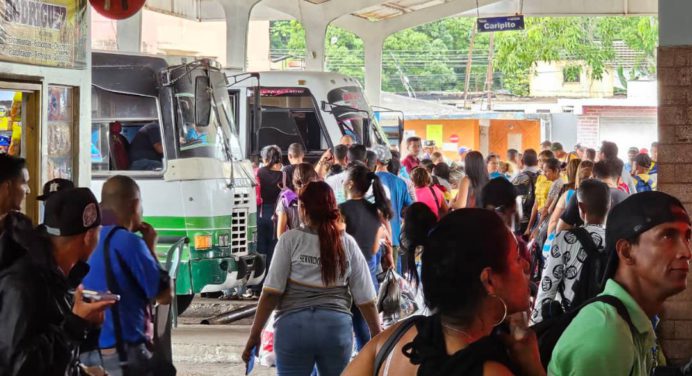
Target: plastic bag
266	351
399	299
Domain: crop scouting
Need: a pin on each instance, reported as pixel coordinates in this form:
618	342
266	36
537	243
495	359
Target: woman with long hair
575	175
418	221
287	215
317	271
474	280
368	223
471	185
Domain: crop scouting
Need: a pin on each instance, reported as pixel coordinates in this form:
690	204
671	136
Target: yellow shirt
542	189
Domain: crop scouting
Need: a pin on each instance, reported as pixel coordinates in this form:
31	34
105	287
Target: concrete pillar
237	21
484	146
373	68
129	33
675	150
315	34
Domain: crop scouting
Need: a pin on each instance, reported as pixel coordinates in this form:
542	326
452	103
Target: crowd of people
523	260
77	290
532	263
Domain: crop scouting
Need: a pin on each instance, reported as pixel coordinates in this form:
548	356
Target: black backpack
528	199
550	330
591	276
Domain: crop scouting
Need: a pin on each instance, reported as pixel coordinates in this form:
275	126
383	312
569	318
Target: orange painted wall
500	130
467	129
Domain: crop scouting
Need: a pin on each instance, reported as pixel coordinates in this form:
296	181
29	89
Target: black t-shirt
362	222
270	185
571	213
288	170
142	145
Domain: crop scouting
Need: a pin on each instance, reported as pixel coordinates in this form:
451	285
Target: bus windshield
352	122
220	138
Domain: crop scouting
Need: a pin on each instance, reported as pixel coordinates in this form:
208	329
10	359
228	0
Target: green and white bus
203	189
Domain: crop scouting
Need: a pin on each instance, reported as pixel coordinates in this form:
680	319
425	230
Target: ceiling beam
364	28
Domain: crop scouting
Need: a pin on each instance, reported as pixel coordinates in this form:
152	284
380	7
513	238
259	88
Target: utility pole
489	73
469	62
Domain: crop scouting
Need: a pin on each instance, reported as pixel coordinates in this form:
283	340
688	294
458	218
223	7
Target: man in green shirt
648	238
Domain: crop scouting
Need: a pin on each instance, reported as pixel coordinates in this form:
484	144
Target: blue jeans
313	336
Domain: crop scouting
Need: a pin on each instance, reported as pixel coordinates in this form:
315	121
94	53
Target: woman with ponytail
368	223
316	272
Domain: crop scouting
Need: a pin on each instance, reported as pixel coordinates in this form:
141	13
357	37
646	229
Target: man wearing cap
428	149
648	239
137	277
398	195
51	187
42	326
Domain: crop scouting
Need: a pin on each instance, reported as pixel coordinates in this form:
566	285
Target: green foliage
433	56
571	73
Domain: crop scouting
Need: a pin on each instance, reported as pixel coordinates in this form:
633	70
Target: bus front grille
241	198
239	222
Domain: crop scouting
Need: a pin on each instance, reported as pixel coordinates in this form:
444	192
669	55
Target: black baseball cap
637	214
71	212
55	185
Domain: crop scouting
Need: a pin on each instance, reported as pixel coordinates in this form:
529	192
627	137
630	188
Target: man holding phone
135	275
41	328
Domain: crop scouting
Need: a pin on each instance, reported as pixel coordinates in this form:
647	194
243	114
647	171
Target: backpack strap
391	342
114	288
437	201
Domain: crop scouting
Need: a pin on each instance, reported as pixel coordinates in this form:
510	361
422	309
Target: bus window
117	120
353	122
288	115
309	128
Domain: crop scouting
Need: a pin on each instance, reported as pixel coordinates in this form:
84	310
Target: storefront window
58	156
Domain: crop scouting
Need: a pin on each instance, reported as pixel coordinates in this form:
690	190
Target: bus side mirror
401	130
202	101
327	107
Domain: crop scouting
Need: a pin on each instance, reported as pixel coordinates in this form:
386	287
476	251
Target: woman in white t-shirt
315	274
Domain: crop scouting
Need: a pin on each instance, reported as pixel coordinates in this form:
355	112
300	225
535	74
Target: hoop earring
504	306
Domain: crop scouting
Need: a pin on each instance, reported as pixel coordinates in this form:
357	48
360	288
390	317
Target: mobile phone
251	362
96	296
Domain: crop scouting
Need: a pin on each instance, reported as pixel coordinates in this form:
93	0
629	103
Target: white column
315	34
129	33
237	20
373	68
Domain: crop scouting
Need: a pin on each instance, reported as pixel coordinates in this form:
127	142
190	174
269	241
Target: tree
433	57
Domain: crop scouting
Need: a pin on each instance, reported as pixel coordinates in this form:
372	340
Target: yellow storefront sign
50	32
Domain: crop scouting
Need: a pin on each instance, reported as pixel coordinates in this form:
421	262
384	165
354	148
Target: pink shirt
425	195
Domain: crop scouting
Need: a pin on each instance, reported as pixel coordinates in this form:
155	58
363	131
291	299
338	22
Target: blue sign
491	24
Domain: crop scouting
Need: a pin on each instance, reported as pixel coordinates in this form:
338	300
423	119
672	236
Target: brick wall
588	122
675	176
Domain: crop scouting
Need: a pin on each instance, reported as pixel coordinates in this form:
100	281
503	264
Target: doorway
20	136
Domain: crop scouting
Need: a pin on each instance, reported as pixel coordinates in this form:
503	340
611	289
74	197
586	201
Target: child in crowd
413	146
642	165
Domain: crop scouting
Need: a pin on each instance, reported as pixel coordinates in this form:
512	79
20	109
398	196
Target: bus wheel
184	302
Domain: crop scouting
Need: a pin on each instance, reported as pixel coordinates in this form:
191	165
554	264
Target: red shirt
410	162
